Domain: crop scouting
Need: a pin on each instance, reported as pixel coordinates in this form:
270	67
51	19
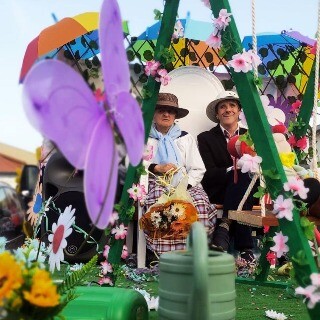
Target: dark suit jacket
214	153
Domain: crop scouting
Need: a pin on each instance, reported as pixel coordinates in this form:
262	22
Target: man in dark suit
218	180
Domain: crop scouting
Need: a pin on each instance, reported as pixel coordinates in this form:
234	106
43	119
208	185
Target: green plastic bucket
197	284
105	303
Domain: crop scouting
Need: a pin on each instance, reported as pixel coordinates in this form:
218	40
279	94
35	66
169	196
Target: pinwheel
62	107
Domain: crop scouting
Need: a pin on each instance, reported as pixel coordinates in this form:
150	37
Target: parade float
88	128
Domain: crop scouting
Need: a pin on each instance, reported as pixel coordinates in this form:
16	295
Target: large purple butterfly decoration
60	105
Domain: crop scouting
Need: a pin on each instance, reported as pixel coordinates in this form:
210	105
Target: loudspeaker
65	186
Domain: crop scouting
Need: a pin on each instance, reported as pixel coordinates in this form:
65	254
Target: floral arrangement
27	289
170	220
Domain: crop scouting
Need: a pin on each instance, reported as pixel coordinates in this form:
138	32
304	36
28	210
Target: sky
22	20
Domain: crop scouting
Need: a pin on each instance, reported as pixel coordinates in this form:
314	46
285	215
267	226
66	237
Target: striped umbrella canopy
74	38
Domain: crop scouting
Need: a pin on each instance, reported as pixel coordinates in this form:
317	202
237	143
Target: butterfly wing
100	176
116	75
60	105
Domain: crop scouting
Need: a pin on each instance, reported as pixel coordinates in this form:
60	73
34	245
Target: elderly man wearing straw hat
218	180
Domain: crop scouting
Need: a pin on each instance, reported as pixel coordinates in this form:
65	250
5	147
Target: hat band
167	103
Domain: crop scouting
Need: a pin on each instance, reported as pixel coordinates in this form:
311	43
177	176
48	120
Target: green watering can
105	303
197	284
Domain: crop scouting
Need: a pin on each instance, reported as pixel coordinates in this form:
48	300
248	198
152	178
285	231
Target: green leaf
258	82
272	174
157	14
77	277
260	193
146	93
307	227
300	258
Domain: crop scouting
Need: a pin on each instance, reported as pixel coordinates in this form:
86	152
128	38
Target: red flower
292	141
295	107
302	143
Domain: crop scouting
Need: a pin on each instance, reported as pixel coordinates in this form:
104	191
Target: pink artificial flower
239	63
292	141
315	279
248	163
223	20
105	280
302	143
252	57
125	252
120	232
151	68
310	293
106	267
207	3
164	78
295	107
137	192
280	246
99	95
148	153
296	185
106	251
114	217
283	208
214	40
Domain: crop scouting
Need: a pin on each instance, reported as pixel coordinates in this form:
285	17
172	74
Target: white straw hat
223	95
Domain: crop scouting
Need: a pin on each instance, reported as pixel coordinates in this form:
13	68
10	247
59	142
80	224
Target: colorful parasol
188	43
78	33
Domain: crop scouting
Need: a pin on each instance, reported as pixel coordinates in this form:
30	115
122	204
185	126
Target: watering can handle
197	243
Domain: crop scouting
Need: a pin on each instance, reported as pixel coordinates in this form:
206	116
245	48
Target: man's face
227	111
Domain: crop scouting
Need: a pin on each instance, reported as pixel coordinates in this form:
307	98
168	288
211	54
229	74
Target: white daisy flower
60	231
275	315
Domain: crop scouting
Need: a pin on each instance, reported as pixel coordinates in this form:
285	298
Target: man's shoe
248	256
220	239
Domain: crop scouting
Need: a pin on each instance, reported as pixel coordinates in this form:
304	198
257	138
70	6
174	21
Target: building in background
12	160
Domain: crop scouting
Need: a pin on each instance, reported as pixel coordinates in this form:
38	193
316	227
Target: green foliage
77	277
300	258
260	193
166	55
146	94
258	82
271	173
141	170
246	138
157	14
307	227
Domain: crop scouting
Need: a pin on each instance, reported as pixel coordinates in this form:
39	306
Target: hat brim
211	108
181	112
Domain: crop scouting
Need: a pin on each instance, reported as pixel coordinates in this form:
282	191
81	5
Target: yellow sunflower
43	291
10	275
179	210
35	205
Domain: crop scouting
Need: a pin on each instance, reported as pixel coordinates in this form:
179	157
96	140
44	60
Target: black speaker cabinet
66	188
